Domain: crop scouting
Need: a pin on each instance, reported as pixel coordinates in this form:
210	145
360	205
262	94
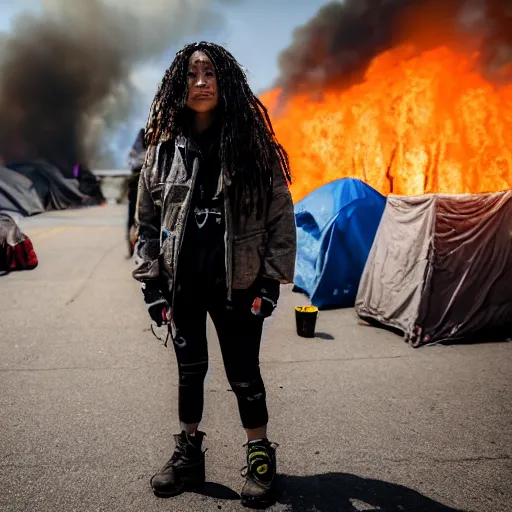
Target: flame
420	122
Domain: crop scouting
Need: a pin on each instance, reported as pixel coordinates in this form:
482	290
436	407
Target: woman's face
203	92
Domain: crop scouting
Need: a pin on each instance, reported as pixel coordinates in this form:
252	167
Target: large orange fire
418	123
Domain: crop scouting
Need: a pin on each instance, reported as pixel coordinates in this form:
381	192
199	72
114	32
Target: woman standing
217	235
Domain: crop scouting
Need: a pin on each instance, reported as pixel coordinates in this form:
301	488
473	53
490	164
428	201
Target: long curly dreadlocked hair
248	145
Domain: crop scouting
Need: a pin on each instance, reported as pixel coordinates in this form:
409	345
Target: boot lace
257	447
180	452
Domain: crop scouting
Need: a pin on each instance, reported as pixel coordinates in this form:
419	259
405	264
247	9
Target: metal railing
112	173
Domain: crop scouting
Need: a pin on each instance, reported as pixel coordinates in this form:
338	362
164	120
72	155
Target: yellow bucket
305	318
306	309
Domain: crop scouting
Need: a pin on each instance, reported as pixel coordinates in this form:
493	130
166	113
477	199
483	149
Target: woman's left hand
266	300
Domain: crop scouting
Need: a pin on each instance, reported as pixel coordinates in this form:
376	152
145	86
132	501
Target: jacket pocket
155	192
260	233
248	258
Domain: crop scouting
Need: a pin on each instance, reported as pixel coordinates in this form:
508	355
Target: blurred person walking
136	159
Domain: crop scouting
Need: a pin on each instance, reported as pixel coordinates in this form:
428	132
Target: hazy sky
254	31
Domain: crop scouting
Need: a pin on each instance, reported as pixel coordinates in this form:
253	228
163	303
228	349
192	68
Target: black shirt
207	193
201	259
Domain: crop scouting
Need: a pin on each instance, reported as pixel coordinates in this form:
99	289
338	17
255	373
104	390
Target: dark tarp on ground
16	251
336	225
440	268
18	194
55	191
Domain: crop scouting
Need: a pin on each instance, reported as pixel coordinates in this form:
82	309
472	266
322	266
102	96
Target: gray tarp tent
440	268
55	191
18	194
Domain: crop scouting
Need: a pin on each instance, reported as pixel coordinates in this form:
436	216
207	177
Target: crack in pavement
83	285
421	461
341	359
6	370
90	368
480	458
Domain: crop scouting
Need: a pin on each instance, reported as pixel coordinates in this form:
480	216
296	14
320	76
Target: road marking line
38	234
48	232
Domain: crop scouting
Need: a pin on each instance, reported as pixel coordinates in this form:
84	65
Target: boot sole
187	486
266	500
259	503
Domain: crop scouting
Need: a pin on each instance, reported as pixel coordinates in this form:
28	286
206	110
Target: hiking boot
185	469
260	475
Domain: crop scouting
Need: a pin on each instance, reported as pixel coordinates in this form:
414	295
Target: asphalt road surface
364	422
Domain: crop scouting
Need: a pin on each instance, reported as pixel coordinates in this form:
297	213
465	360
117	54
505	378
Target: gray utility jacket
255	247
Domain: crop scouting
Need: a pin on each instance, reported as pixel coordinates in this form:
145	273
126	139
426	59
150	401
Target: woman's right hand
158	311
157	305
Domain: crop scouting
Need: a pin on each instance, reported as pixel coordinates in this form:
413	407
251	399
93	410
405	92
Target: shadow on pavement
209	490
218	491
324	336
502	334
342	492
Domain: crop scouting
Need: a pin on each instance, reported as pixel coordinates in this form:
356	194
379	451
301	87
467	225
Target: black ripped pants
201	290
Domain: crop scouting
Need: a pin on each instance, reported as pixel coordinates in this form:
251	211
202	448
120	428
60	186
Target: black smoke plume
338	44
52	81
66	74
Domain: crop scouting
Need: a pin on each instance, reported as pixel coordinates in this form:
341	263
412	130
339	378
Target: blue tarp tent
336	226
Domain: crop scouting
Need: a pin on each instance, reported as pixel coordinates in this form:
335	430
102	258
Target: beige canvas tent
440	268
